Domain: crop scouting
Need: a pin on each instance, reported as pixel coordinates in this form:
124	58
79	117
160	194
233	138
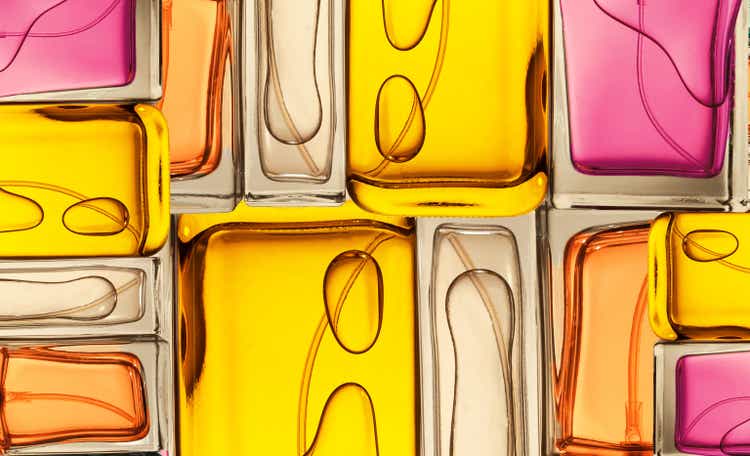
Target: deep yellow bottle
83	180
297	333
699	271
447	106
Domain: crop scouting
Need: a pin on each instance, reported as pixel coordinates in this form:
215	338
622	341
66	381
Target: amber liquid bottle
52	396
604	376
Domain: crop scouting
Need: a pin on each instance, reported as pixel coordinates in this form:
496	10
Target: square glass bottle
83	180
294	101
600	341
309	306
698	276
447	106
78	50
650	104
200	96
702	398
479	336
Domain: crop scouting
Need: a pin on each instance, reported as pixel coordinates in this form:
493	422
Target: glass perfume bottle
702	397
295	111
79	50
599	322
677	71
83	181
478	296
440	124
324	298
54	396
197	44
688	254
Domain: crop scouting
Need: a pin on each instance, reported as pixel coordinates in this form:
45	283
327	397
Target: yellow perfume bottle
447	106
699	266
297	333
83	180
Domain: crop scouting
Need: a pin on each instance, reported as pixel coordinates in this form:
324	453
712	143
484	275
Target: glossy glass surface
197	46
605	372
699	265
669	65
447	106
83	181
53	45
309	307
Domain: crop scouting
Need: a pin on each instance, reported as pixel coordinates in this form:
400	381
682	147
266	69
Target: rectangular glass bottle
83	180
309	307
650	104
702	399
601	343
481	351
199	103
78	50
295	102
447	106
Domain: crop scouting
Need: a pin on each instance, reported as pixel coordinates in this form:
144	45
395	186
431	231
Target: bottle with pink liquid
650	103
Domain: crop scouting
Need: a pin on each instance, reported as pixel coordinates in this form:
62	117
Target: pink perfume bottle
67	47
649	85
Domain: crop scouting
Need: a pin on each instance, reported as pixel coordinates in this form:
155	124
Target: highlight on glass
83	181
447	111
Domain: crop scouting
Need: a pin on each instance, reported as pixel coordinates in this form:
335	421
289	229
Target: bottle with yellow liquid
447	110
698	276
297	333
83	181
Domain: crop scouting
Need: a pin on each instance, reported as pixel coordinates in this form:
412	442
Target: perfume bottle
83	181
447	106
677	71
599	323
295	128
197	45
79	50
688	253
702	397
322	297
478	296
52	396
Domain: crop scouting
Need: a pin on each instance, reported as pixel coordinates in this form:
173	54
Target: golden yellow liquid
83	180
297	333
699	267
447	106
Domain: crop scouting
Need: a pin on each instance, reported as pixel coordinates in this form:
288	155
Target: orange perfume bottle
603	372
196	51
52	396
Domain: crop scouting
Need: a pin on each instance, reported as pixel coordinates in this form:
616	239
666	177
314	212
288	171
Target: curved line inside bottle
642	33
312	353
504	347
633	433
429	91
273	80
29	34
73	194
722	260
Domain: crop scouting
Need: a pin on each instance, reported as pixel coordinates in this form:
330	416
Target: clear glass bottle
76	50
83	181
598	322
674	135
323	300
447	106
478	316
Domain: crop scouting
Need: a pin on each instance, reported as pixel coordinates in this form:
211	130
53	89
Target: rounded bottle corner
659	278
